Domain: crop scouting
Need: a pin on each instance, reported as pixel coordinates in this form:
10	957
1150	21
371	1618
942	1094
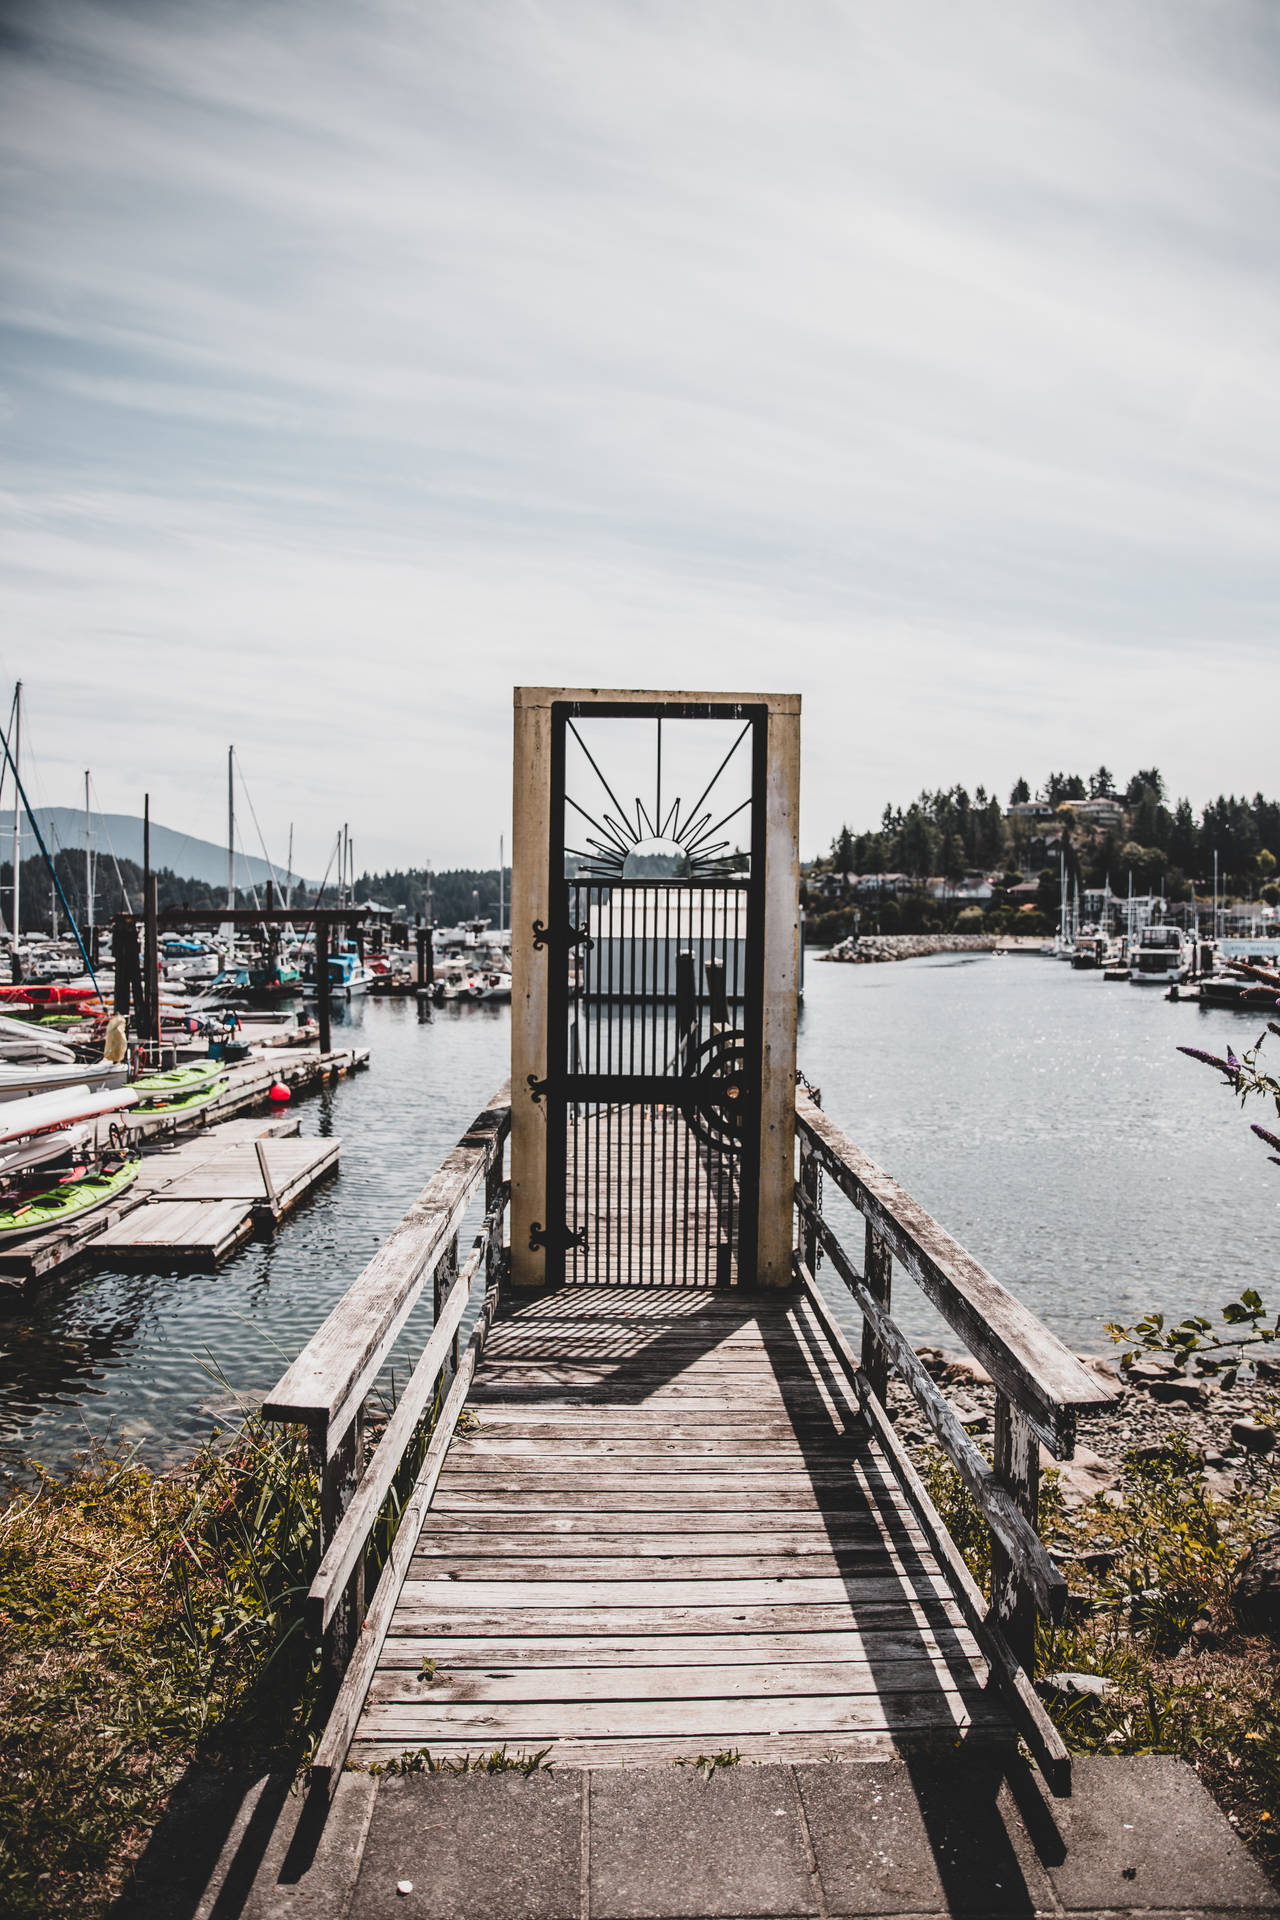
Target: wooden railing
327	1386
1040	1389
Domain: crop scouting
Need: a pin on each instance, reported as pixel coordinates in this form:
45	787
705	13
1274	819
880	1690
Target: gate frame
530	966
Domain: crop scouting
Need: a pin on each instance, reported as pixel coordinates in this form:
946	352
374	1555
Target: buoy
279	1092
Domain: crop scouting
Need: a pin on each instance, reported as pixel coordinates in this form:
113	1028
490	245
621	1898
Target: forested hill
1104	830
461	894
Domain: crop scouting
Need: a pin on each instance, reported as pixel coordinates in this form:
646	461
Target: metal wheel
715	1113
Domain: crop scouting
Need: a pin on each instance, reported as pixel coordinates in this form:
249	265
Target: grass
146	1620
1151	1613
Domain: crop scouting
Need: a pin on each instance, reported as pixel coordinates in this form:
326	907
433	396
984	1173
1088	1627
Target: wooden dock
209	1179
669	1531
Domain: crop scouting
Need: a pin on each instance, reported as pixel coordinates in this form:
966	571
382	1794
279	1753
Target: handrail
1028	1363
329	1381
1040	1389
326	1386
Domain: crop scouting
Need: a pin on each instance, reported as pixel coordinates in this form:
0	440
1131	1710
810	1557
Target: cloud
362	364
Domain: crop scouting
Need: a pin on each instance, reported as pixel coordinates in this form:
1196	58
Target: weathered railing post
339	1475
877	1269
811	1188
1017	1466
446	1274
492	1196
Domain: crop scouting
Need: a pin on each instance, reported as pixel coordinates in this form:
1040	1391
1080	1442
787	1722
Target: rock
933	1360
1253	1435
1255	1587
971	1417
963	1372
1101	1369
1082	1478
1145	1373
1075	1686
1188	1393
1267	1369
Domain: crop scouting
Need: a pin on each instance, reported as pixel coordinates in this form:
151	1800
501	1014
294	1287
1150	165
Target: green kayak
177	1079
55	1206
184	1098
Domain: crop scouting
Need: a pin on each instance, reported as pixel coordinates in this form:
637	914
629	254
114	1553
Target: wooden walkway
666	1531
658	1206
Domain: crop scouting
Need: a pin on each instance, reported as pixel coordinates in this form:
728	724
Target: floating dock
208	1181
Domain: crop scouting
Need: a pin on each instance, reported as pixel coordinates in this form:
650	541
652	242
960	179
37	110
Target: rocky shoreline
1232	1431
868	948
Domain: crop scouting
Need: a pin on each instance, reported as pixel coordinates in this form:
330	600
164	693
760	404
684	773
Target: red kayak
36	995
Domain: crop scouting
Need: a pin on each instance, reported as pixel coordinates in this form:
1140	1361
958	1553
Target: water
1043	1116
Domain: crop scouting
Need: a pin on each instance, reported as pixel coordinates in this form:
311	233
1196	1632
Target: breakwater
869	947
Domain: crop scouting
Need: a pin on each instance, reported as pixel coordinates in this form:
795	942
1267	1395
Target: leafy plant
422	1760
709	1763
1199	1336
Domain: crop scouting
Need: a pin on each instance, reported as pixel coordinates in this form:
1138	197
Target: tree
1102	784
1266	863
1021	792
1063	786
842	851
916	844
1146	777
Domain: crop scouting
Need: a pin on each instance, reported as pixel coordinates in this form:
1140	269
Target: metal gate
654	1043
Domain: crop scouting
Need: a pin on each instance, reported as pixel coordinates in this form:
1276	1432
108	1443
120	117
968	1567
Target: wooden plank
420	1612
860	1531
780	1749
854	1562
683	1649
535	1722
1039	1374
328	1382
781	1524
570	1686
788	1589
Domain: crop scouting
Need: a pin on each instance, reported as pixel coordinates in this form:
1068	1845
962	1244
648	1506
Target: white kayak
21	1083
24	1154
19	1040
45	1112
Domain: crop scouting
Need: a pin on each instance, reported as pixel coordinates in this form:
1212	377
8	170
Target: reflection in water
1042	1115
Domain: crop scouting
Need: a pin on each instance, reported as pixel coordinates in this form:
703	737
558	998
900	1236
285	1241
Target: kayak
36	995
176	1079
24	1154
38	1212
21	1083
45	1112
179	1101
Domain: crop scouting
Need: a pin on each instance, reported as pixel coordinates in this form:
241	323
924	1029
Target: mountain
121	834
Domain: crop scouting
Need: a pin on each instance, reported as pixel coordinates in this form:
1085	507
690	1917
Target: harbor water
1042	1115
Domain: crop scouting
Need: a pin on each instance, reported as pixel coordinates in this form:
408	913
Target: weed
422	1760
709	1763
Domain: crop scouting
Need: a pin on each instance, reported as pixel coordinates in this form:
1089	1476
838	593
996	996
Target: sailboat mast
231	828
288	878
88	858
501	878
17	813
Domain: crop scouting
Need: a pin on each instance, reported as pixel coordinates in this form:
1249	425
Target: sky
359	363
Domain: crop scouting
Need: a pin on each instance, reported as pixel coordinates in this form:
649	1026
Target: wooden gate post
1017	1465
339	1476
322	985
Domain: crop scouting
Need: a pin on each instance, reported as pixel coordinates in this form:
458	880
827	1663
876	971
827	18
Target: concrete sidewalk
903	1837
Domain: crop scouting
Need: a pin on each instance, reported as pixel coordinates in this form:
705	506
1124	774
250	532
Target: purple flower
1230	1066
1271	1139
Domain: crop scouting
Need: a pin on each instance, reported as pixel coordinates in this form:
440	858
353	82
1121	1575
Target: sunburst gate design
689	830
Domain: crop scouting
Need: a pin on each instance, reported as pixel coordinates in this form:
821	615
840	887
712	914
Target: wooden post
1017	1466
811	1187
339	1477
151	956
124	947
446	1274
493	1253
322	985
878	1273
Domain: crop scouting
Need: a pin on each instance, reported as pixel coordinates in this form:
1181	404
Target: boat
26	1082
1090	951
491	986
78	1193
1161	957
348	976
42	998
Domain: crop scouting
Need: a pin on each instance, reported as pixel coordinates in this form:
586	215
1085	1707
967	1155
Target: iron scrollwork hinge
575	937
537	1088
562	1238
